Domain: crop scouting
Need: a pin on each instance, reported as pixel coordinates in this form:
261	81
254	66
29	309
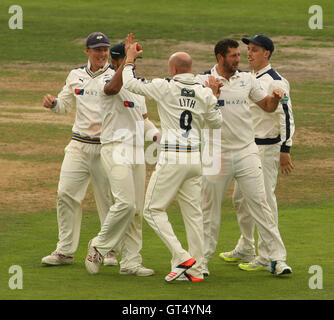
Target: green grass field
37	235
36	60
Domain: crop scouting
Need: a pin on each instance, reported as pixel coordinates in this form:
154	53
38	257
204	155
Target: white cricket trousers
270	159
81	164
122	228
245	167
183	182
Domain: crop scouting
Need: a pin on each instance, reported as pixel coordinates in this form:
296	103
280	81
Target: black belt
267	141
179	148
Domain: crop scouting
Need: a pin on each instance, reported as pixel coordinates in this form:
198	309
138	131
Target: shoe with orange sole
180	269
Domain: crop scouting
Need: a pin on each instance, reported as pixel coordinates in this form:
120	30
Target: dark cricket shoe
188	277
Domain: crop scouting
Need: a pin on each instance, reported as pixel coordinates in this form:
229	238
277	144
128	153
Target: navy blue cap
97	39
260	40
118	51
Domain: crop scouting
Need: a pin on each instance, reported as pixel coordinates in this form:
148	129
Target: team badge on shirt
242	83
187	92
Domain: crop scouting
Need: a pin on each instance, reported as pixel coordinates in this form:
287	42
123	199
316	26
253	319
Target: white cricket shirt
122	116
237	130
183	106
82	89
279	125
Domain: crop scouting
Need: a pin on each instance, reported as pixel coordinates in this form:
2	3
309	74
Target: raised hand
134	51
129	40
215	85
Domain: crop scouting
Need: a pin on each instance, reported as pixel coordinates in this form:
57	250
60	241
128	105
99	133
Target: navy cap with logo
260	40
97	39
118	51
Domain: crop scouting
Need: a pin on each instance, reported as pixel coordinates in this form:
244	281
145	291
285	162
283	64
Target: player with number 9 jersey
184	107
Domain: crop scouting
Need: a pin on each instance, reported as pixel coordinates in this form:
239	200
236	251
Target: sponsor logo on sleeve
79	92
129	104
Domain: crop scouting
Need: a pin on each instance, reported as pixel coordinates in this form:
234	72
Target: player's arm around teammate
240	159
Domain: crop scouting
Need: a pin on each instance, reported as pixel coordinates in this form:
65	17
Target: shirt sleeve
143	106
256	93
201	78
153	89
286	119
213	116
65	100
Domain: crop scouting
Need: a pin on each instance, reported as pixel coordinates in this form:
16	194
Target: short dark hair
223	45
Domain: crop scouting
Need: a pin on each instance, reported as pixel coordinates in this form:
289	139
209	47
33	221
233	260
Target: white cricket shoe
140	271
110	259
56	259
280	267
93	259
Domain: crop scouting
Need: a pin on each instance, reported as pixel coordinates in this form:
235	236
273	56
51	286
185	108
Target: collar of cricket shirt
215	73
98	72
262	71
185	78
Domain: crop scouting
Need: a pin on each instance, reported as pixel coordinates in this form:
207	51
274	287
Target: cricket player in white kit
240	158
82	162
183	107
273	136
124	123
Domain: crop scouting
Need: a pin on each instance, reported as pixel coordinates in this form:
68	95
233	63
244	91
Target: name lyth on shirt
187	103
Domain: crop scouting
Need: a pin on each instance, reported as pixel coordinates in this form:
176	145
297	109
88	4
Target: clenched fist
48	101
